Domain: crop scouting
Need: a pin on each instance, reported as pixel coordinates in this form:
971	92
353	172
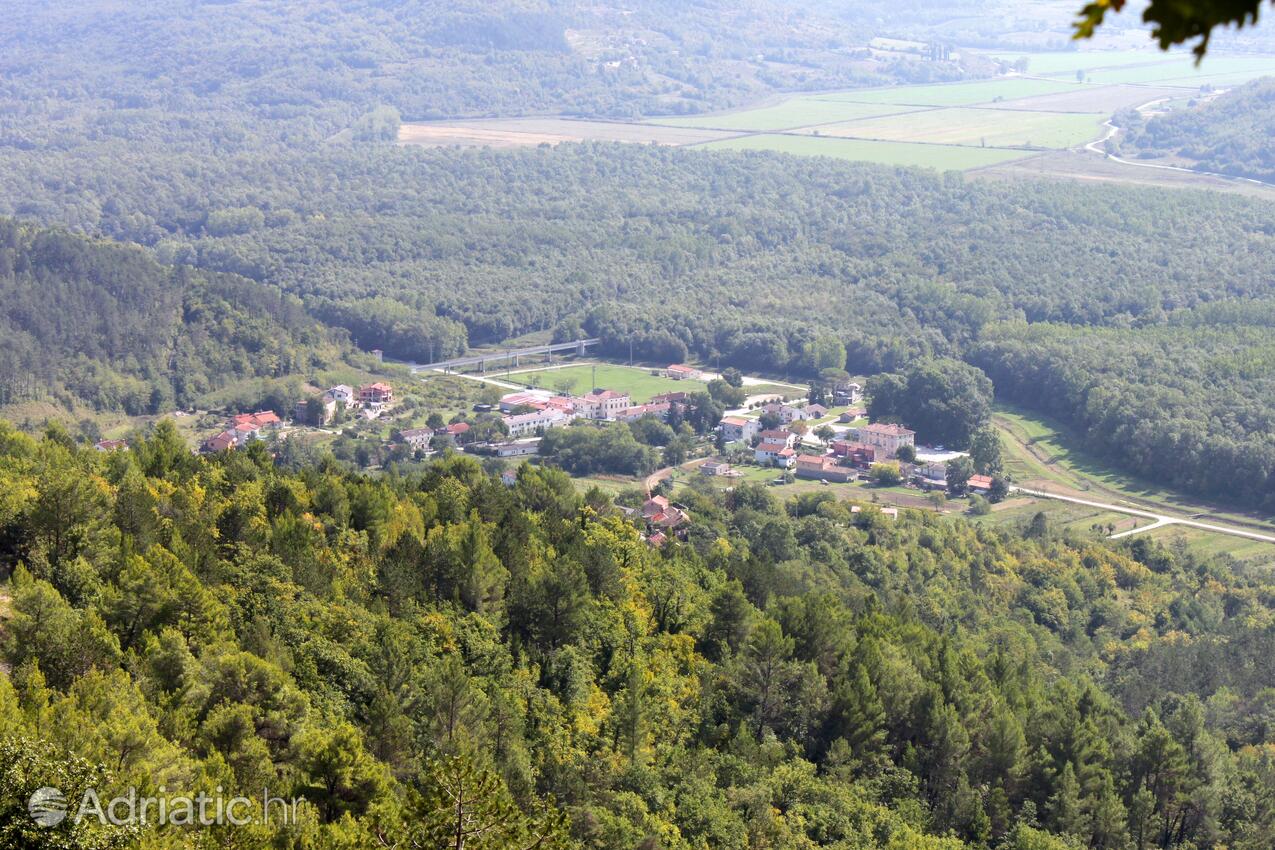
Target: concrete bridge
510	357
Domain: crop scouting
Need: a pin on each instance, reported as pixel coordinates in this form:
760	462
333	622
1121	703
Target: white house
341	393
774	453
735	428
603	404
536	422
417	438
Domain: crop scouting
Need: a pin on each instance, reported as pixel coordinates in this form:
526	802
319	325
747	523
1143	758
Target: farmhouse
847	393
715	468
774	453
256	421
856	454
637	411
535	422
417	438
823	468
110	445
677	397
682	372
659	512
886	436
317	411
788	413
779	435
452	432
738	428
342	393
979	483
931	475
375	394
224	441
603	404
518	448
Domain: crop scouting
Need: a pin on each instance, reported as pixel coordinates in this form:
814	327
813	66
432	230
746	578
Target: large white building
603	404
527	424
887	437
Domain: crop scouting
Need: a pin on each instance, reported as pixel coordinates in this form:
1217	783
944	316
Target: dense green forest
1187	403
105	325
1229	135
794	675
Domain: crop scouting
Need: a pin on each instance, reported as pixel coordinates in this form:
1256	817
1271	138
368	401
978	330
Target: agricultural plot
1093	100
1066	63
518	132
796	112
979	127
941	157
955	94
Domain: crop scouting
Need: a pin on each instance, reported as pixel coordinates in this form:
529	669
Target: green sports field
578	380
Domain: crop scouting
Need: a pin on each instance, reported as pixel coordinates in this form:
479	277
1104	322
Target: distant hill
334	60
106	325
1229	135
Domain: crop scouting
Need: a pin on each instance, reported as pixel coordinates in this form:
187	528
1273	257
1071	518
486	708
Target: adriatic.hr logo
47	806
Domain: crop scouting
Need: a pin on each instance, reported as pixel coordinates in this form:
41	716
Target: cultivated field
999	126
516	132
978	127
788	115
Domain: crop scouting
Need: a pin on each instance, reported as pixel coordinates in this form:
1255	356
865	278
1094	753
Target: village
778	436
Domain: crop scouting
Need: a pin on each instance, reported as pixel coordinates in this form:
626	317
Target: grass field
1043	453
578	380
982	127
1206	544
954	94
797	112
1018	513
941	157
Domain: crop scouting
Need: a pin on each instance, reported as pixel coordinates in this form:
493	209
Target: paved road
1158	520
1112	129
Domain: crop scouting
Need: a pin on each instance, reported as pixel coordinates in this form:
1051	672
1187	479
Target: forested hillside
104	324
794	676
1229	135
335	60
1187	403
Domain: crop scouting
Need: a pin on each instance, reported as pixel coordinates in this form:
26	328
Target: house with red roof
979	483
885	436
376	394
682	372
823	468
603	404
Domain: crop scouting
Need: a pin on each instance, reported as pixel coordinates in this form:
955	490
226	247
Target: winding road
1158	520
1112	129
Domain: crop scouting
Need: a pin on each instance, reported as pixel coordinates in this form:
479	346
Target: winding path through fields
1112	129
1158	520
